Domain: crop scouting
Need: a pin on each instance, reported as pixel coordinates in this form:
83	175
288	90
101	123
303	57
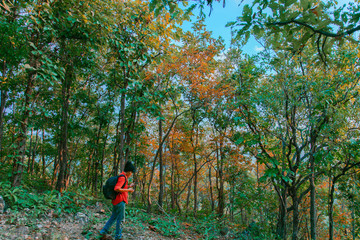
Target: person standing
118	212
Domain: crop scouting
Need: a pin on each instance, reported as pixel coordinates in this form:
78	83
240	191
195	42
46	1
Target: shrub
20	198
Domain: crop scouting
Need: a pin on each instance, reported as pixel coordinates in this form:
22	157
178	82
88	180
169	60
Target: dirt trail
79	226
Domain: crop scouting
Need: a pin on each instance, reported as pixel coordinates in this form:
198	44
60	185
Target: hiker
118	212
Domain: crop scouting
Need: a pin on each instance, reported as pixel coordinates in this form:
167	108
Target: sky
220	16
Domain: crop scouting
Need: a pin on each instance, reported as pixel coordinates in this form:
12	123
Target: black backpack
108	188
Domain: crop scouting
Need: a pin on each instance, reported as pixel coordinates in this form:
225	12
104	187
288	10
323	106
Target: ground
81	225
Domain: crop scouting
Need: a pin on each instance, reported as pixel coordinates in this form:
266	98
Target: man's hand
131	190
132	185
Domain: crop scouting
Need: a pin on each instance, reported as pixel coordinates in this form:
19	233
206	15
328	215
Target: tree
12	53
289	115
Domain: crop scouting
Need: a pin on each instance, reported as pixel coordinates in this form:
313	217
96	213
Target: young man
118	212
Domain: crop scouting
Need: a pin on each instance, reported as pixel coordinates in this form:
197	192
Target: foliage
208	227
254	231
88	230
165	225
238	144
24	198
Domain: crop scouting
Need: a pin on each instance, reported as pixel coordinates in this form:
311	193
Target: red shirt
121	196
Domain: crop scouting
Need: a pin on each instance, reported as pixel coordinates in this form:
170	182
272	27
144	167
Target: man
118	212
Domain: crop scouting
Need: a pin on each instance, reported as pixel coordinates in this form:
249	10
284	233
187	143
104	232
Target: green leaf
305	4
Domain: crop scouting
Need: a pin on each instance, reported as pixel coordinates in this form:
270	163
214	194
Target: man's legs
120	219
112	219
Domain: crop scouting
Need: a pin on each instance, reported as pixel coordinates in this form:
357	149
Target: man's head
129	167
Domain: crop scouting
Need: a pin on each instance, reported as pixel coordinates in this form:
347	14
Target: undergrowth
35	198
24	199
165	225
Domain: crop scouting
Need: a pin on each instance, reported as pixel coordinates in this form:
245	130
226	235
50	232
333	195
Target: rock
2	205
99	208
38	236
56	224
81	217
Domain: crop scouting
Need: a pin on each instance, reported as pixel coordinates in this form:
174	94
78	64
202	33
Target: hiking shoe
105	237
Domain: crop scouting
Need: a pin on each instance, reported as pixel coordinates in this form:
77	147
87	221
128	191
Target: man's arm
123	190
120	183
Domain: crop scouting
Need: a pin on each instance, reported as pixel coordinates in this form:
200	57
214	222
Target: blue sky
221	15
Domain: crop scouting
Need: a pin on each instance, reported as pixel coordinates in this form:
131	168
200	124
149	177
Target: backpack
108	188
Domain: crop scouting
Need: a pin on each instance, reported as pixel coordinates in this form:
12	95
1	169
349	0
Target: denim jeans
118	215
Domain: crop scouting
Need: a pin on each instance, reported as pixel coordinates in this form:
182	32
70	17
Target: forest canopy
266	145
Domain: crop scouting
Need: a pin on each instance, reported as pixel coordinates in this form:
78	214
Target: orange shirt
121	196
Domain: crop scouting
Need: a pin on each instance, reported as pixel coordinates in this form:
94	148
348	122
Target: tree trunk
4	95
172	185
295	215
211	190
34	150
95	178
55	170
331	209
281	226
232	187
143	187
353	209
195	189
43	153
136	175
18	166
63	148
312	194
130	131
188	197
178	184
30	150
122	131
89	168
103	155
221	196
154	162
194	150
116	146
161	167
96	160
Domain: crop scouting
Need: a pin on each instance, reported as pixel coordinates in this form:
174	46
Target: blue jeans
118	215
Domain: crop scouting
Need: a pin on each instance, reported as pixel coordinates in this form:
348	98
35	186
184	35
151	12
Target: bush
256	232
166	225
20	198
208	227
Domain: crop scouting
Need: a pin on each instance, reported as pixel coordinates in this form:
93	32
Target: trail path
79	226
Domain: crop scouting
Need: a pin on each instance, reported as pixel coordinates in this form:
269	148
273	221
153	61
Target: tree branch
328	34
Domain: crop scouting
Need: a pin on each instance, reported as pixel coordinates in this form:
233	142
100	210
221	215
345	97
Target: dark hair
129	167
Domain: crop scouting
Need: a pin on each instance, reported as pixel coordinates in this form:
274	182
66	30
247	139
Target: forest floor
84	225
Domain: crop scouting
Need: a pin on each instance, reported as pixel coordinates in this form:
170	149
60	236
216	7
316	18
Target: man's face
128	174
